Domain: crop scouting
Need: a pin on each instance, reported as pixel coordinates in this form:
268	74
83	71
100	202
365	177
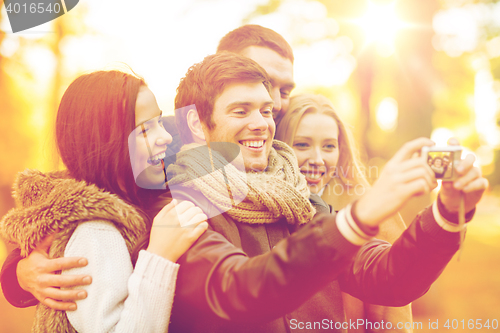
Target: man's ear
195	125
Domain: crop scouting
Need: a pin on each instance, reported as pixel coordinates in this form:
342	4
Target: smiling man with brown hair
271	263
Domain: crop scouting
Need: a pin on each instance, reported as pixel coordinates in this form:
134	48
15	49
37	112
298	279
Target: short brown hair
255	35
205	81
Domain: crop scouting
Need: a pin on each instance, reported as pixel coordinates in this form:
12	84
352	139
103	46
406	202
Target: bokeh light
441	136
387	114
486	107
381	24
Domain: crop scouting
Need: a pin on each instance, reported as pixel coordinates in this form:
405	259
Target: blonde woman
329	161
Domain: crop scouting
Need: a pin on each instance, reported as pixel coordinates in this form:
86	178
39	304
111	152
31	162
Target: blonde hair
349	168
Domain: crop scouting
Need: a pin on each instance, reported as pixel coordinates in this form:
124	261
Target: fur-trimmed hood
55	203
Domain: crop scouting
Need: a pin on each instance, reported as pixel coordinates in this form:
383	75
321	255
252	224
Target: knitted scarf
248	197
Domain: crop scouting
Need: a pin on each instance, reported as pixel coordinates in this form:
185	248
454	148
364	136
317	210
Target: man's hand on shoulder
37	275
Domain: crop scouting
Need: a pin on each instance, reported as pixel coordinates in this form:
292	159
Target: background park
394	69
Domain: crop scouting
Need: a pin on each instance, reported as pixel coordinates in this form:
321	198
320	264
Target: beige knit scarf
251	197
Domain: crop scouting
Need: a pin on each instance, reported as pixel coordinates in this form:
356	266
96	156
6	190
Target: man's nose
257	121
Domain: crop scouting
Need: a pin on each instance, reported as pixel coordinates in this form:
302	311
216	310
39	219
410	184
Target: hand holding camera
467	179
403	176
413	171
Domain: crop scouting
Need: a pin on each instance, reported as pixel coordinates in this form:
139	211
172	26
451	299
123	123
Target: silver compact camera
443	161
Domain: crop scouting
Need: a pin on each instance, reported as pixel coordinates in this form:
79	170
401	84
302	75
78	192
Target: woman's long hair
94	120
349	168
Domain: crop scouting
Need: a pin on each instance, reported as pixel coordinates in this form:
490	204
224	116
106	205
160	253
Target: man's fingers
65	263
409	148
479	184
463	181
418	173
62	306
466	164
416	187
69	295
415	163
453	142
64	281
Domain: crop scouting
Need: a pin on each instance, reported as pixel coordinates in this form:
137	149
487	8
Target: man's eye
267	111
160	122
285	94
240	112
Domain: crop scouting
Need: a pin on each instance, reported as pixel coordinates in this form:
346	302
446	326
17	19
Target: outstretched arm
399	274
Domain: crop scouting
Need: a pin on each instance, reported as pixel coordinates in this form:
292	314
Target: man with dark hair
271	51
269	263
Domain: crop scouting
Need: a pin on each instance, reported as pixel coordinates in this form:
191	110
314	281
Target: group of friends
220	219
441	165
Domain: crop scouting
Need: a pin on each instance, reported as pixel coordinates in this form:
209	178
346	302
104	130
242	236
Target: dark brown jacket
242	277
272	278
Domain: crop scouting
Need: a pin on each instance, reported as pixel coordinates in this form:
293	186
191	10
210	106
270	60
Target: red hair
95	117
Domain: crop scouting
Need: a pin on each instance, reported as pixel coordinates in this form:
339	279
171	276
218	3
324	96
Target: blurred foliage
29	98
433	90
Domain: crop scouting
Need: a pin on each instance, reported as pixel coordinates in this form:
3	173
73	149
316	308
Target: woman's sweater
91	223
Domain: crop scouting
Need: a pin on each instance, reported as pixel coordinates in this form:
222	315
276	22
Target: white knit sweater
120	298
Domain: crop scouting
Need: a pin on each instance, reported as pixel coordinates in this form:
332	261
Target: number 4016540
471	324
33	8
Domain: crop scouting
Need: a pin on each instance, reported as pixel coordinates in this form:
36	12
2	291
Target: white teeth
156	159
253	144
312	175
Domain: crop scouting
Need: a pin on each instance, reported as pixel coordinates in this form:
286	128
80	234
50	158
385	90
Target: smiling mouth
156	159
313	177
253	143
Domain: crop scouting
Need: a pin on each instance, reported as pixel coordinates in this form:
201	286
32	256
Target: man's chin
256	166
